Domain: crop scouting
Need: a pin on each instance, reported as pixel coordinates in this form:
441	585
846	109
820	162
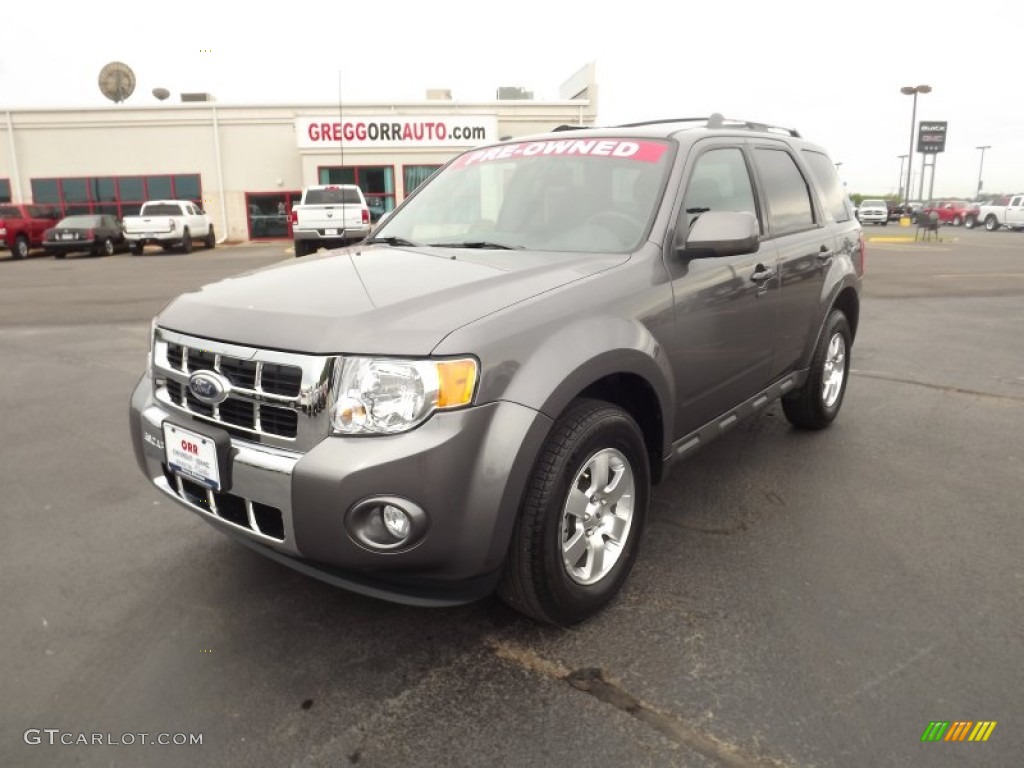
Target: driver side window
720	182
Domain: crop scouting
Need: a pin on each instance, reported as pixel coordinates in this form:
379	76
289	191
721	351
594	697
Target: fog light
396	521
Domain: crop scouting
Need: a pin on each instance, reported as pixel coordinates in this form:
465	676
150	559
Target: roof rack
716	120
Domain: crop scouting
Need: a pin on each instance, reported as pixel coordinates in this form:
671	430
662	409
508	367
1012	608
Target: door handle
762	273
825	254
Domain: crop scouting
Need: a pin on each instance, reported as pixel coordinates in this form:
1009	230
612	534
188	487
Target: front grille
244	513
275	397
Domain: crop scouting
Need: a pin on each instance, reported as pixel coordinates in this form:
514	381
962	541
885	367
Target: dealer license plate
67	237
192	455
330	231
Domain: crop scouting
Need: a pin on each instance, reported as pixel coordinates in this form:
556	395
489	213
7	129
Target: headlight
379	396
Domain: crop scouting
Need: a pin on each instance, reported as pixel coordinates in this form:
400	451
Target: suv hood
373	300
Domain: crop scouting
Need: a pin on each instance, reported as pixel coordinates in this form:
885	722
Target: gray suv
481	395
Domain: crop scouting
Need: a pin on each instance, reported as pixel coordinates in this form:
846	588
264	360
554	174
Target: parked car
873	212
328	216
481	394
98	234
23	226
1005	212
950	211
898	210
169	224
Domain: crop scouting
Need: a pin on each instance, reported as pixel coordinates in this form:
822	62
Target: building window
414	175
117	195
159	188
376	181
5	191
269	214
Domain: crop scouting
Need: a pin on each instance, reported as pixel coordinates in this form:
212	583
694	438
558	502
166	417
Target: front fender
557	366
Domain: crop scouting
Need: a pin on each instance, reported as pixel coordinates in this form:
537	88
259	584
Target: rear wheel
991	223
970	222
301	248
210	241
957	220
20	248
816	404
582	516
186	242
107	248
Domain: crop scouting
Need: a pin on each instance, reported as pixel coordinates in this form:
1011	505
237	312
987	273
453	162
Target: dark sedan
99	234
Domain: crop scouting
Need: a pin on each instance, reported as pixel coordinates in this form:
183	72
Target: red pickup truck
22	226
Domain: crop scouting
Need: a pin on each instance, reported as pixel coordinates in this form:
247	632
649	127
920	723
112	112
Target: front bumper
466	469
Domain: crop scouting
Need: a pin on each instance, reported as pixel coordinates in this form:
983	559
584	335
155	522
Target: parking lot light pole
912	90
981	166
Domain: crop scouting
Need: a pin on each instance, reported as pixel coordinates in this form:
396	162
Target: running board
691	442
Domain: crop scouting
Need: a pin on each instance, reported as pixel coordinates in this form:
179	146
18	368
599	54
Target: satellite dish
161	93
117	81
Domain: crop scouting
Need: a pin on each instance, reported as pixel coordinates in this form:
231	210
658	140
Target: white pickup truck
169	224
329	215
1008	212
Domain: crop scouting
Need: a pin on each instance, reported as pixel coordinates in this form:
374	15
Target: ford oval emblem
209	387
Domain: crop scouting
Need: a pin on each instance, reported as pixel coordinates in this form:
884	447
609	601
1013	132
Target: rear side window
333	196
787	193
9	212
825	175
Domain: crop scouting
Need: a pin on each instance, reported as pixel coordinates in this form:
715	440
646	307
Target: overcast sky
827	68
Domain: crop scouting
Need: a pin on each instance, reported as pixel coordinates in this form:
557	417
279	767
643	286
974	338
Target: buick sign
209	387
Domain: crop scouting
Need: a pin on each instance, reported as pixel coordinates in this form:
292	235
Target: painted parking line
981	275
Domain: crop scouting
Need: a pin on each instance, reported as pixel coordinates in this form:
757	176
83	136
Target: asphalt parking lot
800	599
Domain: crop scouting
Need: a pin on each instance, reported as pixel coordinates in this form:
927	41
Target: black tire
20	248
991	223
301	248
136	248
59	254
186	241
957	220
107	248
970	222
210	241
885	223
538	580
812	406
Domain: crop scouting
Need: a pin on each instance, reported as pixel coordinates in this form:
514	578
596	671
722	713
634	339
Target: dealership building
248	164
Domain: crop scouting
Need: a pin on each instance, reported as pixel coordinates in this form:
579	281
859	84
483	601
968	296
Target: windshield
595	195
161	209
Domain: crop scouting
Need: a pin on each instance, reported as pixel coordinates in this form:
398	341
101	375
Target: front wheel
211	239
816	404
582	516
991	223
970	222
957	221
186	242
20	248
107	247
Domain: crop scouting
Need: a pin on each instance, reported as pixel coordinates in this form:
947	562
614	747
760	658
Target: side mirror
721	233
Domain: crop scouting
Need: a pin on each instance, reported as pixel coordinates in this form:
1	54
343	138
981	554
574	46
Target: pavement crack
939	387
595	682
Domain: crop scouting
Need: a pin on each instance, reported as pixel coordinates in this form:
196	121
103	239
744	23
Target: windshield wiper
481	244
392	241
